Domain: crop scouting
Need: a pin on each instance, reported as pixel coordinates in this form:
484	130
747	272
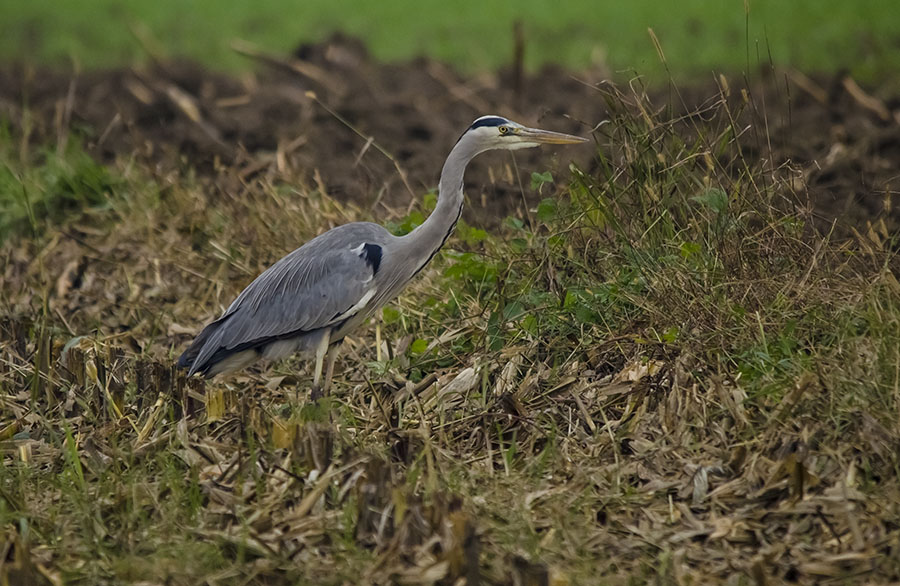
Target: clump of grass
687	246
698	267
39	188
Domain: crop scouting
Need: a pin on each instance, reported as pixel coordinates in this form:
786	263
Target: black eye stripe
489	121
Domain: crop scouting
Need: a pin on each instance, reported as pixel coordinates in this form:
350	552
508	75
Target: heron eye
503	129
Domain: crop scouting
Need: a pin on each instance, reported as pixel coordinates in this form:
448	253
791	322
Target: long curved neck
428	238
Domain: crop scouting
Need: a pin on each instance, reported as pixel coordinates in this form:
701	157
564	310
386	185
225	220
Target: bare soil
377	133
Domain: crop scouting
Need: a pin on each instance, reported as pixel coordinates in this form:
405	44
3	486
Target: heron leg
321	350
333	352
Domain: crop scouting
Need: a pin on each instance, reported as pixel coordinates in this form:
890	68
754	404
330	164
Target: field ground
673	360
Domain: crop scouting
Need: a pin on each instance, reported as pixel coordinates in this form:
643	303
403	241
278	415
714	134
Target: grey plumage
313	297
309	289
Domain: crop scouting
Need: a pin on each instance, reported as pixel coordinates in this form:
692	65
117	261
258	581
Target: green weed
44	187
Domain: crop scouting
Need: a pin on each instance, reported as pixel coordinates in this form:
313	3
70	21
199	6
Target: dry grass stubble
673	379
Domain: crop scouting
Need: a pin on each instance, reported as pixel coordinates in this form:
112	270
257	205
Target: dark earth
843	141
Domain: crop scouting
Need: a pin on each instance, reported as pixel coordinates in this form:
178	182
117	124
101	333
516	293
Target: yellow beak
548	136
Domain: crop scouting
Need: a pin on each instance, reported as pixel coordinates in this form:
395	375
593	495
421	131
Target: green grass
698	36
669	375
37	188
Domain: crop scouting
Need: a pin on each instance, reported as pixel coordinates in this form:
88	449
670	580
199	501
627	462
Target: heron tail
189	358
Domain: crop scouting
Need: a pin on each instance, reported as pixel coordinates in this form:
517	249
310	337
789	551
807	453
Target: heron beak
548	136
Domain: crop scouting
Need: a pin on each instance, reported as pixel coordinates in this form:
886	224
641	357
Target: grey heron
308	301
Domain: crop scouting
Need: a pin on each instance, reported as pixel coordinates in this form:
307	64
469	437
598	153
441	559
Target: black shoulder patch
489	121
372	255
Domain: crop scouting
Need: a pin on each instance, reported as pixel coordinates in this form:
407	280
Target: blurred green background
697	35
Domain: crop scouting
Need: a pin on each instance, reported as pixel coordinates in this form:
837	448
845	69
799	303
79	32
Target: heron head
497	132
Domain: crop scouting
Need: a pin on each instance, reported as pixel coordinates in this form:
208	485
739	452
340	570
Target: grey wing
318	285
